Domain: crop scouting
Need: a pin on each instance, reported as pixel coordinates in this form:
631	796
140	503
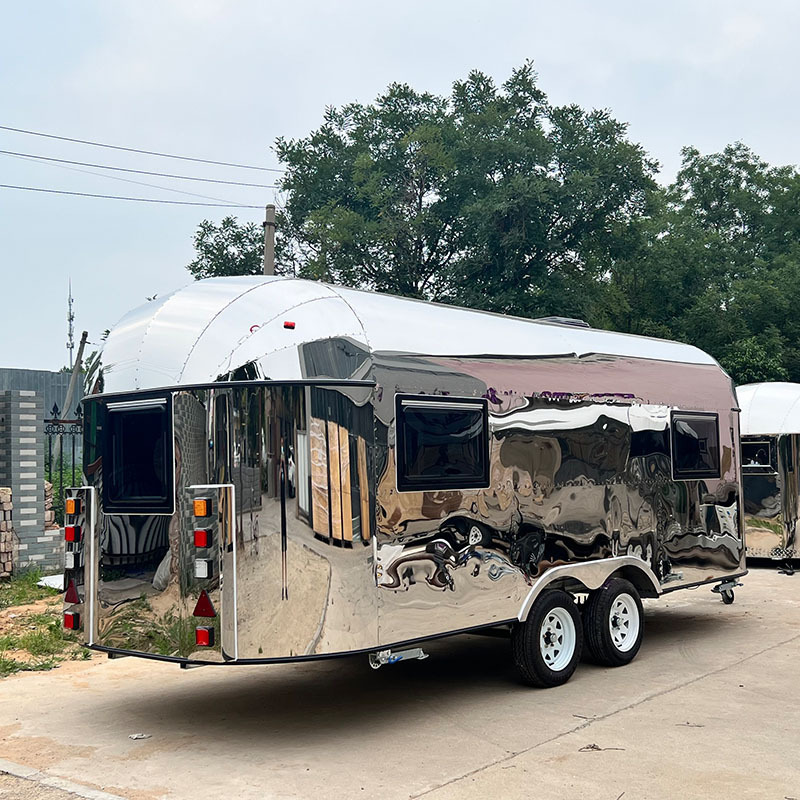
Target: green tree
227	249
491	197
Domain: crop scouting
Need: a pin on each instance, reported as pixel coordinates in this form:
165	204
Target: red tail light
204	607
202	537
288	325
204	636
73	533
72	620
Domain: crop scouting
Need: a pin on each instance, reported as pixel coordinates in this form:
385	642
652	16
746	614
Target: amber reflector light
202	507
72	620
204	607
72	505
72	533
204	636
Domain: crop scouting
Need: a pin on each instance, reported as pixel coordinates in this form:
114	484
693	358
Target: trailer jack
377	660
725	590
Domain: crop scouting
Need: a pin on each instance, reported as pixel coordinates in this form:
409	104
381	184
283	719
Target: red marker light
204	636
71	596
73	533
289	325
202	537
72	620
204	607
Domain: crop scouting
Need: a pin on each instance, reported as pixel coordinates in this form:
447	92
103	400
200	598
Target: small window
137	468
442	443
695	446
758	455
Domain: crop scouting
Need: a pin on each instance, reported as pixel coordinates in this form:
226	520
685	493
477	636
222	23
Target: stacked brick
49	513
22	469
6	533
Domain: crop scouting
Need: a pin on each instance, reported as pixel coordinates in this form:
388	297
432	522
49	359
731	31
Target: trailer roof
769	408
211	327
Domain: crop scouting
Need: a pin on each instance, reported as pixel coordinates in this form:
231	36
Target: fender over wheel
613	623
547	645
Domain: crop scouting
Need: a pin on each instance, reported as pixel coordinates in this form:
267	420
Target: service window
758	455
695	446
442	443
137	458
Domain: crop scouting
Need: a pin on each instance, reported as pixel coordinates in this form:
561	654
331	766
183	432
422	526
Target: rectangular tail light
202	507
72	620
202	537
72	505
203	568
73	533
204	636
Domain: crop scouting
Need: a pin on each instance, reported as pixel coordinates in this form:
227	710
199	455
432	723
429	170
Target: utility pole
269	241
76	371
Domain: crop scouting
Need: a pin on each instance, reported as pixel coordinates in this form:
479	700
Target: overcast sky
221	80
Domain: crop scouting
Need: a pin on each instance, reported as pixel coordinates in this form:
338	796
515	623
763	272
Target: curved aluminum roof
211	327
769	408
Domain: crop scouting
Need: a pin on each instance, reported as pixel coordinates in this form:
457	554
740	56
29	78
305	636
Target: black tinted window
137	469
442	444
695	446
758	454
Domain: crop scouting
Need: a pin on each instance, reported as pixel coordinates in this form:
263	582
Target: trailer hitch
377	660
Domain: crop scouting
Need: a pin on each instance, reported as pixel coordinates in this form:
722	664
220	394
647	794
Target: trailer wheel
547	645
613	623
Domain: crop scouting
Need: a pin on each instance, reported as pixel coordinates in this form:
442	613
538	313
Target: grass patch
22	589
37	641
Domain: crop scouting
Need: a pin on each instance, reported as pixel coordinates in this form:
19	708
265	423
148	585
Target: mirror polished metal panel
313	551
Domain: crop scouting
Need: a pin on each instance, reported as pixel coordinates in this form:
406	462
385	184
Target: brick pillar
22	469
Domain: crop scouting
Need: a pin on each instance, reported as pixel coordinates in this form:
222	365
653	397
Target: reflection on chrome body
770	427
311	550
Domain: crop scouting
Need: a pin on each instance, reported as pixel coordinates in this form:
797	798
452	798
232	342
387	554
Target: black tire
598	623
727	596
552	615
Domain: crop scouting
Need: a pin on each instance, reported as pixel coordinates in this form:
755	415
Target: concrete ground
710	708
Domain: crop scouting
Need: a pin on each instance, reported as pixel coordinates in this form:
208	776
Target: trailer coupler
725	590
377	660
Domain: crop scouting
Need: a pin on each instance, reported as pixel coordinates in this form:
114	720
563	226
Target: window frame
772	450
164	506
679	474
404	483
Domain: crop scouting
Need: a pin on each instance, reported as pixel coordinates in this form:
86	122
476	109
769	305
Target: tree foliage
494	197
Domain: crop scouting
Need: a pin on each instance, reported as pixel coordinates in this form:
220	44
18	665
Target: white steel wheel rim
557	638
623	622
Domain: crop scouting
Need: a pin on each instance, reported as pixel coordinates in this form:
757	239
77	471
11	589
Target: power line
136	150
129	180
137	171
133	199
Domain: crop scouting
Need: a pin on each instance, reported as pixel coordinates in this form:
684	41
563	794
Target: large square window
137	463
695	446
442	443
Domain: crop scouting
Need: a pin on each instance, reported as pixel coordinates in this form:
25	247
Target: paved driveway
711	707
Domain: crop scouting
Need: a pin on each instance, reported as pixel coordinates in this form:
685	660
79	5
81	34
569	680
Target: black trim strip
159	391
290	659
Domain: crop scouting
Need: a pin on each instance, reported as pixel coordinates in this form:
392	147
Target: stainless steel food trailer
281	470
770	430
